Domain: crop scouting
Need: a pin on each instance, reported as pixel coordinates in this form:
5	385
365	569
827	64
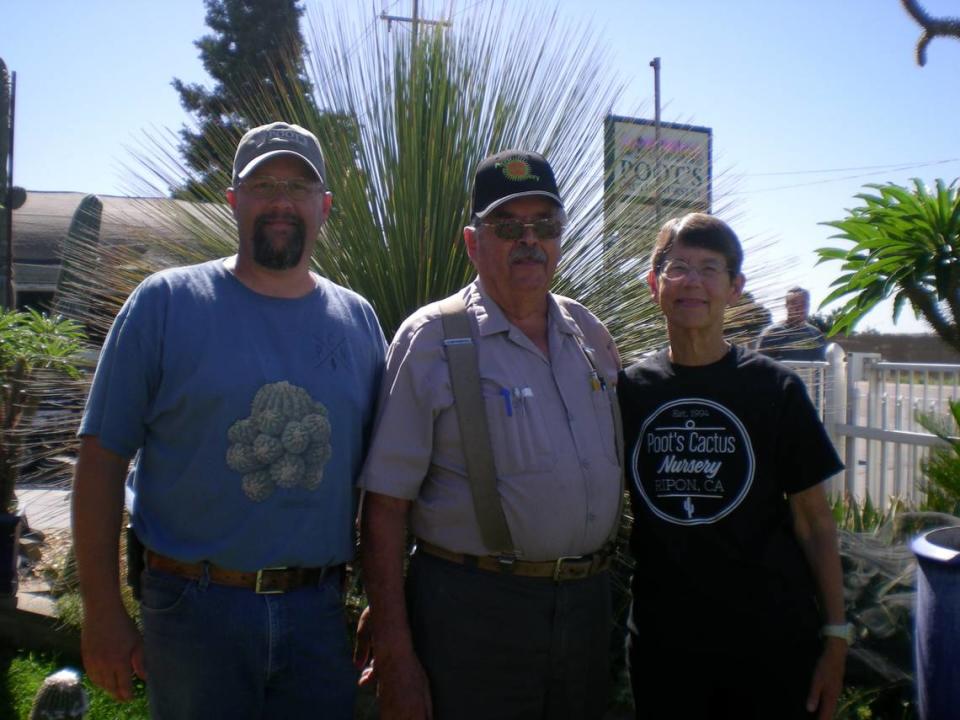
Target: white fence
870	409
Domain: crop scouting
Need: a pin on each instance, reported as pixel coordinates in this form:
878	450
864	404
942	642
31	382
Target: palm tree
906	245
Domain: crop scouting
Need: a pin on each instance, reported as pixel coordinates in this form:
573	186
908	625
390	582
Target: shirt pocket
521	438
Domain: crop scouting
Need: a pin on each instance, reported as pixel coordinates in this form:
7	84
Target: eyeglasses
677	270
544	229
267	187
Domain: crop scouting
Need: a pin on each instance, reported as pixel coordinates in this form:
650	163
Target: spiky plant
942	467
405	121
879	576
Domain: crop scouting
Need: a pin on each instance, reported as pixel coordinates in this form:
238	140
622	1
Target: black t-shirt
712	452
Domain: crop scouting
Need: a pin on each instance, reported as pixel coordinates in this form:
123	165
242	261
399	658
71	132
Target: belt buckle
259	587
506	562
559	564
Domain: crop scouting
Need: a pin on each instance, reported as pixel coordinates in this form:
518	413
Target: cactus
284	443
258	486
290	401
61	697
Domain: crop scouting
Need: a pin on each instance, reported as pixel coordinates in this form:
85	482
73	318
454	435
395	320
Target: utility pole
11	197
657	188
414	20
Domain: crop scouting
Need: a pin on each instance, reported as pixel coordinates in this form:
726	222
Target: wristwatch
844	632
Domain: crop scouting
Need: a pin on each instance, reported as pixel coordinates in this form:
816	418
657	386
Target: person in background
243	388
737	607
795	338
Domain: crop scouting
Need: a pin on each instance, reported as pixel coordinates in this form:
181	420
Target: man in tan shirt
476	631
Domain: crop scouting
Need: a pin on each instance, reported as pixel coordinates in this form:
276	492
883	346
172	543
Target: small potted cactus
61	697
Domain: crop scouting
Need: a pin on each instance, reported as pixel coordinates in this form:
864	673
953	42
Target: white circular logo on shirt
693	463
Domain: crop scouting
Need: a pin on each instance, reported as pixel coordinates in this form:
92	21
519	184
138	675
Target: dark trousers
495	646
672	682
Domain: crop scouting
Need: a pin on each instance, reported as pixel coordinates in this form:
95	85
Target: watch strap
843	631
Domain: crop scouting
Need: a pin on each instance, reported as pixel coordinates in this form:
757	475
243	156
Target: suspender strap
474	431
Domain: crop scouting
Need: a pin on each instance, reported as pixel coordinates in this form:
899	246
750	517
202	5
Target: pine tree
256	51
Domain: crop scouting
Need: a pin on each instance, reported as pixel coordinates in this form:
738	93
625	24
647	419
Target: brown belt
266	581
575	567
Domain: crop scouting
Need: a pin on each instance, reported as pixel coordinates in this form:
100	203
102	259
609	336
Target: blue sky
808	100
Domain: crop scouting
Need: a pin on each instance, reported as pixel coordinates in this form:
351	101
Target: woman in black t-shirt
738	593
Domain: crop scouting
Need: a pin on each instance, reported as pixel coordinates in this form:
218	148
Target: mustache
262	220
522	253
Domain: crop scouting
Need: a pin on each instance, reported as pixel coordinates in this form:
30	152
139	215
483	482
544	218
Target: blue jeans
221	652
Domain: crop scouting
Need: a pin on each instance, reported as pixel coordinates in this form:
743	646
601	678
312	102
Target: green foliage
256	48
33	340
431	110
30	343
942	466
864	517
404	125
906	245
824	322
859	703
27	672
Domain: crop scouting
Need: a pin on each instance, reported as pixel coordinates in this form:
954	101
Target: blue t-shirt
247	415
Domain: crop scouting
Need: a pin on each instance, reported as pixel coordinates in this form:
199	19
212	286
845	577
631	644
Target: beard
287	253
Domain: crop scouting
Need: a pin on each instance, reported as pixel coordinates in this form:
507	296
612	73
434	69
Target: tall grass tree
413	118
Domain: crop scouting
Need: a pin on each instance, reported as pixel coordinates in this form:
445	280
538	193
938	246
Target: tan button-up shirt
551	427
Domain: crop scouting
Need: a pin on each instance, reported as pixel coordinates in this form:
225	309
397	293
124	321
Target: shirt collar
491	320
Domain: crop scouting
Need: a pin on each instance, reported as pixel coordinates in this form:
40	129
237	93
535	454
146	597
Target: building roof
41	224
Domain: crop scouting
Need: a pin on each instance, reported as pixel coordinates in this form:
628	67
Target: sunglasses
543	229
267	187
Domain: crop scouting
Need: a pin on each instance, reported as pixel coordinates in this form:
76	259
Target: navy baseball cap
509	175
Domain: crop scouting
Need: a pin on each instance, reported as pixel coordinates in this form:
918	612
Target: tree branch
932	27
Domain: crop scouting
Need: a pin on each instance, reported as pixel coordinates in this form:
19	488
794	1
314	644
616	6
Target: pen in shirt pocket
597	381
507	401
521	394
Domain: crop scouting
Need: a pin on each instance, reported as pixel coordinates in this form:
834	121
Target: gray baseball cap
278	138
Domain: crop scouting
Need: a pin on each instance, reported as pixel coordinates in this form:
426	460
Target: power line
469	7
884	169
894	166
415	20
367	29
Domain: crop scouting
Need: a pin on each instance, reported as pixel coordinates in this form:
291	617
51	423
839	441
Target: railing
870	409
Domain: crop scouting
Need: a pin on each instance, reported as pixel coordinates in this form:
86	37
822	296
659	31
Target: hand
363	658
827	678
403	690
112	647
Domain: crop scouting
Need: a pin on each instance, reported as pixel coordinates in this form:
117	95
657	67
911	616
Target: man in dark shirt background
795	338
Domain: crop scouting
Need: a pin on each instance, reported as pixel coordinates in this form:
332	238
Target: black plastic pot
10	526
937	628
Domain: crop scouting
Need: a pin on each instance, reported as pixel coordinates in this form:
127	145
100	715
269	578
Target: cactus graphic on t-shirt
284	443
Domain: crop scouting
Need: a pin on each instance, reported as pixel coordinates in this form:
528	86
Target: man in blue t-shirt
243	390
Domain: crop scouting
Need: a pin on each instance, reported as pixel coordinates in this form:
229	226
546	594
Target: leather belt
574	567
267	581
